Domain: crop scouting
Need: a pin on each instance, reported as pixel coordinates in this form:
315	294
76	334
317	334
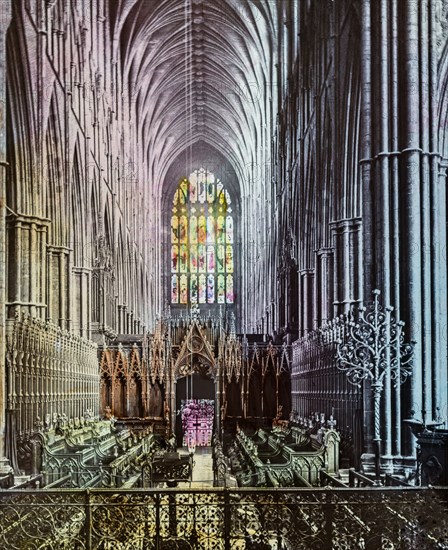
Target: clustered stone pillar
80	300
5	16
347	240
324	284
27	271
306	299
403	221
58	306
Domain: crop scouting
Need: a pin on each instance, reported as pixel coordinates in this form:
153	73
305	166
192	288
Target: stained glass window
194	289
201	259
183	289
202	240
174	258
229	228
193	258
220	258
193	230
211	259
183	224
221	290
210	289
229	290
220	236
229	258
202	289
174	229
183	268
174	292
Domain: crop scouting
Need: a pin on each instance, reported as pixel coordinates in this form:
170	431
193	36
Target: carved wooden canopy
196	354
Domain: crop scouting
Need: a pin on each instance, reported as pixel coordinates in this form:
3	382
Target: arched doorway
195	409
195	379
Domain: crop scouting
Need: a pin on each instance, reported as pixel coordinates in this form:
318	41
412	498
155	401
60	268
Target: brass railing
287	519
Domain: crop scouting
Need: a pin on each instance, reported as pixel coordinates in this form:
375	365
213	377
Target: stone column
348	268
403	220
440	267
58	285
418	197
27	237
5	17
366	141
324	284
81	300
307	295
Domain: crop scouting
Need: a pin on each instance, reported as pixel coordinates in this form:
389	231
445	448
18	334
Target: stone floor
202	468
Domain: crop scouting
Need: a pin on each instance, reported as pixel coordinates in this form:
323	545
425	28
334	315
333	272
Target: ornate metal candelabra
374	347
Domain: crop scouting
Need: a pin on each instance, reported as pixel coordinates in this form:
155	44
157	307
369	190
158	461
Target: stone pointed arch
158	359
136	384
106	364
135	364
195	351
120	385
121	367
106	381
232	359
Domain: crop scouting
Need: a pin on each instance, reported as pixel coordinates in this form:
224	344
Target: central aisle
202	468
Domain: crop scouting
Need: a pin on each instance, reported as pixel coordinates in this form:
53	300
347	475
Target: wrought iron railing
226	519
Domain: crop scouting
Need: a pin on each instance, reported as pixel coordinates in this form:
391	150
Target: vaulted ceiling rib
196	71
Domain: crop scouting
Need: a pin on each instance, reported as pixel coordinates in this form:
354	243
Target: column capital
306	272
79	270
27	219
55	249
325	251
346	223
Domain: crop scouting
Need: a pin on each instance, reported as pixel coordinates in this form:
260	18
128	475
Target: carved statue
172	443
47	421
38	424
167	413
103	259
331	422
432	470
276	422
59	425
223	411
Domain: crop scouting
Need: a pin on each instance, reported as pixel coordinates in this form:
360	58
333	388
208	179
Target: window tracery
202	240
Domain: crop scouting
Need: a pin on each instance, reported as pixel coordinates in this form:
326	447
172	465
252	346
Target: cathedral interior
223	274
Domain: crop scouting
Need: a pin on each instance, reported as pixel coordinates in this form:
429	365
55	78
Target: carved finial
232	324
38	424
331	423
194	312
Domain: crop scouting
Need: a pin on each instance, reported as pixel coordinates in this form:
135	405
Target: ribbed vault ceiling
197	71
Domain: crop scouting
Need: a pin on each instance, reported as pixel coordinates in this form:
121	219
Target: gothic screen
202	242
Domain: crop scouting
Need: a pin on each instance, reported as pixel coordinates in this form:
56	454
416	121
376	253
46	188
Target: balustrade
224	519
